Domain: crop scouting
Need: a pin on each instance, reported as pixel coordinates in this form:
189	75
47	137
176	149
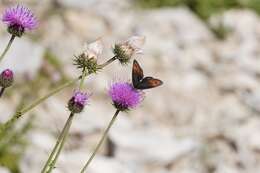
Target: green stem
2	91
56	90
101	141
52	165
108	62
60	142
7	47
84	75
18	114
58	147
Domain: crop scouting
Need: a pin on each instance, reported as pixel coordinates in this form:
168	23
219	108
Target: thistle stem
108	62
19	114
50	164
7	47
56	90
84	75
57	148
2	91
101	141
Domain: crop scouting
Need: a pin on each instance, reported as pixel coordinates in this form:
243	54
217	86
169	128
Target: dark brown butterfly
141	82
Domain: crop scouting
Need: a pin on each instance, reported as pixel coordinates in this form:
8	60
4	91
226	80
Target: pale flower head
93	50
125	50
136	43
88	59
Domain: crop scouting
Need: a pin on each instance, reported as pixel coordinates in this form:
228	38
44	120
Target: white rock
252	100
96	4
24	57
102	164
174	24
149	145
4	170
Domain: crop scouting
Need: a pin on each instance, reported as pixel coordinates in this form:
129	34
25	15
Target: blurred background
204	119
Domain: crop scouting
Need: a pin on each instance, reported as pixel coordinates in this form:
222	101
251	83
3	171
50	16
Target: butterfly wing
137	74
149	82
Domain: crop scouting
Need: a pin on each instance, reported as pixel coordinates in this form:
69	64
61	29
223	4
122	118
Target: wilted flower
78	101
124	96
19	19
93	50
6	78
88	59
125	50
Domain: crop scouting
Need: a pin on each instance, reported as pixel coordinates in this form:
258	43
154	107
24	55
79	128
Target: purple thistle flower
78	101
6	78
80	97
124	95
19	19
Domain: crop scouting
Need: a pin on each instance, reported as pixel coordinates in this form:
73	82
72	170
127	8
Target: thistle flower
88	59
93	50
125	50
124	96
78	101
19	19
6	78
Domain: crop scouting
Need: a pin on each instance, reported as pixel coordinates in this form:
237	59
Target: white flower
136	43
88	60
125	50
93	50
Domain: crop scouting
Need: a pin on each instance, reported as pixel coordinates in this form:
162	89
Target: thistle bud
124	51
88	60
6	78
78	101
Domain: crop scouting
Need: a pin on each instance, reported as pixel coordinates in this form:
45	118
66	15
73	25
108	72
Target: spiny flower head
78	101
19	18
124	96
88	59
126	49
6	78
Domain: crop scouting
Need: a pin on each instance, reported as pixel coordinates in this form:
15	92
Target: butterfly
141	82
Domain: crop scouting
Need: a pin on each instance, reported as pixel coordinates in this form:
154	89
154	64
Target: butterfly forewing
137	74
139	82
149	82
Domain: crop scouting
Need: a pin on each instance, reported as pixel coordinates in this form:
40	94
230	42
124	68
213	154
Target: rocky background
204	119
